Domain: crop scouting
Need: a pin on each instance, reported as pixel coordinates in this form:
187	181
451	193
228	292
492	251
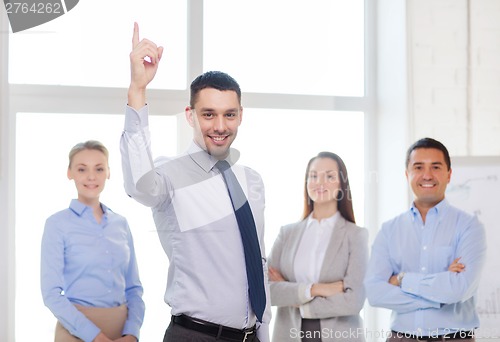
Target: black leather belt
459	335
246	335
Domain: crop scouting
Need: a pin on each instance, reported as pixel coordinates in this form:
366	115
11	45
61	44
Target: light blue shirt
196	225
91	264
431	300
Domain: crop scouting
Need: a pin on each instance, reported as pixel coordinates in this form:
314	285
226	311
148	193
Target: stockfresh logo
25	14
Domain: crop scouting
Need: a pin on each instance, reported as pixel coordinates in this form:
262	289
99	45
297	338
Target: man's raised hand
144	60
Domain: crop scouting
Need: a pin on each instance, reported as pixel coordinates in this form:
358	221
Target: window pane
42	189
283	46
90	45
279	143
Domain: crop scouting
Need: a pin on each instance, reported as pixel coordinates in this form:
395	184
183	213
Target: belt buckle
247	333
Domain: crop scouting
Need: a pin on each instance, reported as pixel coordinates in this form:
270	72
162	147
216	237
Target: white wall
485	77
454	65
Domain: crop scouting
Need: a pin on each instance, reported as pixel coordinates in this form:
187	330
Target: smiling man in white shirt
208	288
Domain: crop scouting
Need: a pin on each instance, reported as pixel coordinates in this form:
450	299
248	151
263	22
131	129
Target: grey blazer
346	259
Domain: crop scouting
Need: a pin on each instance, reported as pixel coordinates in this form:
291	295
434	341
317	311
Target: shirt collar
79	208
206	161
437	209
330	221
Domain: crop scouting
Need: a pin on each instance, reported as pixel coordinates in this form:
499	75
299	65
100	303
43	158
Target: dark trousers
311	330
176	333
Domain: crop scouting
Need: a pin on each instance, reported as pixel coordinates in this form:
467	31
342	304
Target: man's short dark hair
213	79
429	143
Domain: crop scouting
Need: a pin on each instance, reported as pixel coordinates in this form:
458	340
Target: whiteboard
475	188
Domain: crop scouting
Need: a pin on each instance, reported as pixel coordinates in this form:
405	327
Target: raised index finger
135	37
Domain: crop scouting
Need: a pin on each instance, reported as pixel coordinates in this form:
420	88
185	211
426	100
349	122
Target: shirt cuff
411	283
89	333
307	294
127	330
135	120
305	311
304	293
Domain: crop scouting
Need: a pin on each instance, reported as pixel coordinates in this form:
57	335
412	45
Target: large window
302	72
310	47
89	45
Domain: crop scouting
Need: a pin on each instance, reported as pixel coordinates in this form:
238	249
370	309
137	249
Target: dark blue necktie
251	247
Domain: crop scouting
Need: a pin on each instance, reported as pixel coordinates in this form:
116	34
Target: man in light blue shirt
426	263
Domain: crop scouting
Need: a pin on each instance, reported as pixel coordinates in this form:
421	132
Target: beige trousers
109	320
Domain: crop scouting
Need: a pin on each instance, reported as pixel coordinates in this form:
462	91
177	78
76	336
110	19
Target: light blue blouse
91	264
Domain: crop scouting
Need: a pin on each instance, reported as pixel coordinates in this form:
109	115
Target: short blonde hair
87	145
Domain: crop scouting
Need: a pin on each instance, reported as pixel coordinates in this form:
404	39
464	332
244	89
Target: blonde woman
89	275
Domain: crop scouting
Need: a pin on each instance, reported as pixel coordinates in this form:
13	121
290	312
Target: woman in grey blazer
317	265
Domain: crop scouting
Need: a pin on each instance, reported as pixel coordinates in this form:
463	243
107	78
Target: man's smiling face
428	176
215	119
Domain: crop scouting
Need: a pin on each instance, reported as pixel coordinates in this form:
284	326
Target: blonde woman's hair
87	145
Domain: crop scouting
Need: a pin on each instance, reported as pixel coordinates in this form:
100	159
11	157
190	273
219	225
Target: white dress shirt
312	249
196	225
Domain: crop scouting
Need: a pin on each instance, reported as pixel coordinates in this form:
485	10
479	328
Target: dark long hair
344	197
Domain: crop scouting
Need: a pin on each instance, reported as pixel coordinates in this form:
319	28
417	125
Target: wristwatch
400	277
